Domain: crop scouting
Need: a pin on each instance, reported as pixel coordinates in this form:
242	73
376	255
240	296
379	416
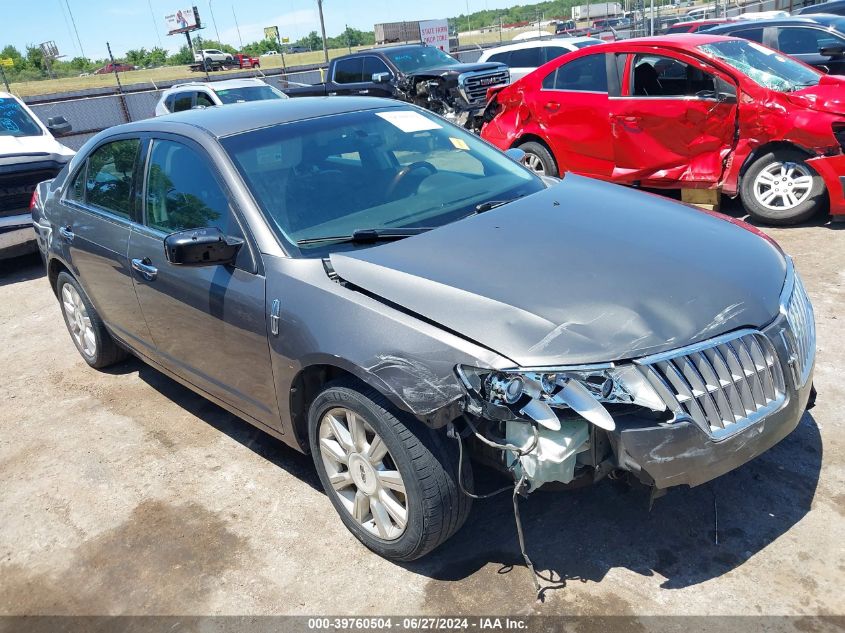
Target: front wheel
392	481
539	159
781	188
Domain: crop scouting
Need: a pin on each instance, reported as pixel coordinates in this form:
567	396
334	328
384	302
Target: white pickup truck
28	155
213	58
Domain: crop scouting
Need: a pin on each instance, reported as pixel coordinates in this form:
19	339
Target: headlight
535	393
801	340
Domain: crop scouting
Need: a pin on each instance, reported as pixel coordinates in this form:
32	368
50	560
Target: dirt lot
125	493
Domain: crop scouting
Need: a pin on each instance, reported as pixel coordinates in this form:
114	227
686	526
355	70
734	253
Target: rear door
208	322
675	121
572	108
96	217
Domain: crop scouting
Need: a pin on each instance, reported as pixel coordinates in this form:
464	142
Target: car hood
31	149
827	96
582	272
457	69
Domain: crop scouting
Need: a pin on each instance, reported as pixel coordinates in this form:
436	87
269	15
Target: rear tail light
33	201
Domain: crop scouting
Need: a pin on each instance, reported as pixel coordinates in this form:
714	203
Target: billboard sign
50	50
182	20
435	33
271	33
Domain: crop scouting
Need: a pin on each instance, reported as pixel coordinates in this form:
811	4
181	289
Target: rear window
248	93
15	121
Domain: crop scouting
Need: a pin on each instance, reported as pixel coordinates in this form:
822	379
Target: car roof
822	19
552	41
682	41
253	115
223	84
707	21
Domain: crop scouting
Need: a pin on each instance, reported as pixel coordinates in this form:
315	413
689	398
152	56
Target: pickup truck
28	155
223	61
419	74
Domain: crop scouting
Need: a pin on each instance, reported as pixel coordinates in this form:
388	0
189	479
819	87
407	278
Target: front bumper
832	171
682	453
17	236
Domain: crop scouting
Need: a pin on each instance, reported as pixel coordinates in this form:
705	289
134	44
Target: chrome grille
474	86
802	326
723	385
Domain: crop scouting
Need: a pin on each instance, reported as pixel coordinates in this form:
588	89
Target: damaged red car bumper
832	171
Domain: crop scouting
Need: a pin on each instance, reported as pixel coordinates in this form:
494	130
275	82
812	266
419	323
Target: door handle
66	233
144	267
552	106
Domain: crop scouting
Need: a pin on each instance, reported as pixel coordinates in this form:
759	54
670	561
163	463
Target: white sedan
524	57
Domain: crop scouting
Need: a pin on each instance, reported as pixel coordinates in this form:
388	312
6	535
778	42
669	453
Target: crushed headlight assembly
535	393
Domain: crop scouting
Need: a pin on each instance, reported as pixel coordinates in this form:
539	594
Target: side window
754	35
373	65
109	176
348	71
204	100
502	58
526	58
585	74
168	103
803	41
182	101
553	52
657	76
76	191
182	193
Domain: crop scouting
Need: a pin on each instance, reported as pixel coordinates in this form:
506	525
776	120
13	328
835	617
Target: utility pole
237	26
469	28
323	30
216	32
348	41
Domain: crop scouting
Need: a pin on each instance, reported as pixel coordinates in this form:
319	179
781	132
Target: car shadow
263	444
580	535
687	537
19	269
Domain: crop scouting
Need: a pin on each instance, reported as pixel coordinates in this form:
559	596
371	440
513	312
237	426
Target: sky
128	24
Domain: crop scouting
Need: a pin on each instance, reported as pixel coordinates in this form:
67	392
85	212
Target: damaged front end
681	417
460	98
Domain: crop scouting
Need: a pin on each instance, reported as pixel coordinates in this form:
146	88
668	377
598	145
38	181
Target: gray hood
582	272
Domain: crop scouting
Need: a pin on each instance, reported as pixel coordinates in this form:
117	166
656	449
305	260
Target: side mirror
201	247
515	154
59	126
837	50
381	78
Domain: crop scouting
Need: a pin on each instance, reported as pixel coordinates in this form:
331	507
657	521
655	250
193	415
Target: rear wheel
781	188
539	159
392	481
87	331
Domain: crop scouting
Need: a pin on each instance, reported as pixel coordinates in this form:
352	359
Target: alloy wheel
363	474
79	321
534	163
783	185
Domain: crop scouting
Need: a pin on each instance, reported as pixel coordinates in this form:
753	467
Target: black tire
426	460
807	208
538	150
106	351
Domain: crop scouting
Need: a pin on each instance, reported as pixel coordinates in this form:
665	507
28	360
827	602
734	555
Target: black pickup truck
422	75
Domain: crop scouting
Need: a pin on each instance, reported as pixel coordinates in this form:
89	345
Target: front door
571	108
208	322
674	123
95	222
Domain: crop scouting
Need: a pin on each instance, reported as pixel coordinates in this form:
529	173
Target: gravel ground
125	493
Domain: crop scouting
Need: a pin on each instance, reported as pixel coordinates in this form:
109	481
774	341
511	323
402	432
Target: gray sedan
375	286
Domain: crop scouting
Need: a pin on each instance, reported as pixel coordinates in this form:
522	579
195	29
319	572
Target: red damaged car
685	111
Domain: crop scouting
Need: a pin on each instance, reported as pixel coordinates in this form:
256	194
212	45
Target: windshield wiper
492	204
367	236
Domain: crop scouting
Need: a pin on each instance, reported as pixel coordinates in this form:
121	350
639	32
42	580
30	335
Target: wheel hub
363	475
783	185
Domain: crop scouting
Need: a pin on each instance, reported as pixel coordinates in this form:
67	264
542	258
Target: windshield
764	66
248	93
410	60
15	121
391	168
